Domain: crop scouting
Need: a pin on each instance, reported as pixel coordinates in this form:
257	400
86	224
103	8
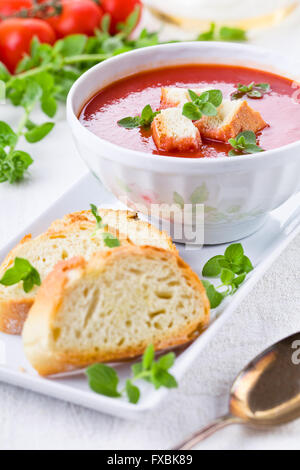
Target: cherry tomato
119	10
10	7
77	17
16	35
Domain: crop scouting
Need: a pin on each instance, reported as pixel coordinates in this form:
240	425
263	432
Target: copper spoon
265	394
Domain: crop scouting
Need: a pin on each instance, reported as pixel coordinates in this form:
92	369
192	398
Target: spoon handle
219	423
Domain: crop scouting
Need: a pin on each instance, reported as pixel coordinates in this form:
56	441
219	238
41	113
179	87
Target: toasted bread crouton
112	307
233	117
172	97
73	235
174	132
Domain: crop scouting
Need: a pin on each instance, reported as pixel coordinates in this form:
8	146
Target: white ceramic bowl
238	193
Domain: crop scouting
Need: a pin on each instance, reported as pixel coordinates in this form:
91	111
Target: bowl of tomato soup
201	134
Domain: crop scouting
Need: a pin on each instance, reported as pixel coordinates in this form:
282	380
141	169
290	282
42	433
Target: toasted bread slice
112	307
74	235
174	132
233	117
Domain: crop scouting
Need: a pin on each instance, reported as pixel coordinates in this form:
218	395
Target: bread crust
13	312
40	324
169	143
245	119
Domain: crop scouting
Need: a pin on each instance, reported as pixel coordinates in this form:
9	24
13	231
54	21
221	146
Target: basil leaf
7	135
255	94
212	268
193	95
215	97
203	98
94	211
215	298
239	280
166	361
253	148
111	241
133	392
30	124
226	276
112	44
23	157
103	380
39	132
148	357
191	111
71	45
147	114
130	122
4	73
105	23
208	35
246	265
130	23
232	34
263	86
11	276
249	137
22	270
33	93
137	368
13	169
234	253
209	109
163	378
49	105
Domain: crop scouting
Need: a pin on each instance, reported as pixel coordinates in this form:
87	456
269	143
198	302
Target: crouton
233	117
173	97
174	132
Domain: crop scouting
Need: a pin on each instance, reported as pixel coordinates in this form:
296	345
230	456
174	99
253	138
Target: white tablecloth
271	311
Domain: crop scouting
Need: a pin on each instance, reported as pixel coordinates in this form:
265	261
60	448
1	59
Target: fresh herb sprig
253	90
22	270
206	104
223	33
52	70
109	240
232	269
45	77
104	379
243	144
144	120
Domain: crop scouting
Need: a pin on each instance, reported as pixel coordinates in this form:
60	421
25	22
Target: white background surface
271	311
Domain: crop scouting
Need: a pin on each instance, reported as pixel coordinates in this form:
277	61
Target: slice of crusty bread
233	117
111	307
68	237
174	132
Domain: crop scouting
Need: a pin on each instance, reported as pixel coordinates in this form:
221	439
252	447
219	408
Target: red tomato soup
128	97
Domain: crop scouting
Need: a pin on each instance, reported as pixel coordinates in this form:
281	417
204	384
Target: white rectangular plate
263	247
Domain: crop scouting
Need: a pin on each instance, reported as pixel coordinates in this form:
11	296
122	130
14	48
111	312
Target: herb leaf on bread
109	240
22	270
206	104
